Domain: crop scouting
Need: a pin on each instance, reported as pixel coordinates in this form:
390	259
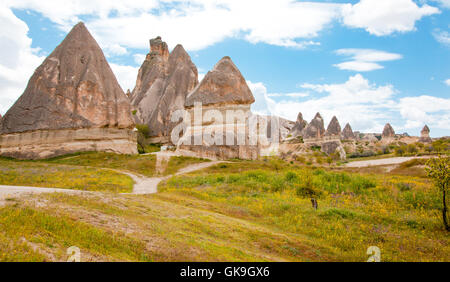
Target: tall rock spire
334	128
224	84
72	103
163	82
315	128
73	88
347	133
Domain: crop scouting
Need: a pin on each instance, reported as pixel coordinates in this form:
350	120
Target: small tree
438	170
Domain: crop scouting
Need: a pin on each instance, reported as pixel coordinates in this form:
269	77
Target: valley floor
234	211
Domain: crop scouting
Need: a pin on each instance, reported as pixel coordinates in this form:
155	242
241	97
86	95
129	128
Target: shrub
143	129
291	176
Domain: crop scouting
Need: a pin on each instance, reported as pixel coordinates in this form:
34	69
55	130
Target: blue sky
367	62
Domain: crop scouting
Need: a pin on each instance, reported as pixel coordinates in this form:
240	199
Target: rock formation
223	91
315	129
425	135
72	103
388	131
331	147
334	128
347	133
222	85
162	84
299	126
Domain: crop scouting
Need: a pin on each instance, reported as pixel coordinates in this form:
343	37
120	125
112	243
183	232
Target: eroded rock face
223	91
388	131
162	85
424	135
347	133
299	126
315	129
224	84
331	147
74	88
334	128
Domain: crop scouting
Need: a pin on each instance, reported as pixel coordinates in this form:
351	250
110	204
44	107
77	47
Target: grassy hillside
239	211
39	174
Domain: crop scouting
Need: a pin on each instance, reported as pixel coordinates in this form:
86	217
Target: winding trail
387	161
143	185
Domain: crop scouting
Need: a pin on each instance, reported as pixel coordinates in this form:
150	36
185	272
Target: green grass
176	163
37	174
239	211
158	228
140	164
58	233
355	211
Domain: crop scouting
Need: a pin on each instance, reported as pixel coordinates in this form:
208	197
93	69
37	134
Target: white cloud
366	106
114	50
292	95
442	36
447	82
139	58
126	75
363	60
198	24
425	109
443	3
384	17
359	66
18	59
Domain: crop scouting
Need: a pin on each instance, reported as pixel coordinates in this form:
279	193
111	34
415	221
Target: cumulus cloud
126	75
443	3
18	60
363	60
447	82
384	17
198	24
366	106
442	36
431	110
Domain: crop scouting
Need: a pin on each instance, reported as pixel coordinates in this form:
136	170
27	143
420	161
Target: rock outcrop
315	129
425	135
388	132
73	92
223	91
334	128
331	147
162	84
222	85
299	126
347	133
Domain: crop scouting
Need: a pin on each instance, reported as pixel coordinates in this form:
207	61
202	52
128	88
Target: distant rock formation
223	90
347	133
315	129
299	126
162	84
331	147
72	103
388	132
334	128
425	135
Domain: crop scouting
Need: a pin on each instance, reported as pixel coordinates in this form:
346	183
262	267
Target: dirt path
387	161
143	185
14	191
